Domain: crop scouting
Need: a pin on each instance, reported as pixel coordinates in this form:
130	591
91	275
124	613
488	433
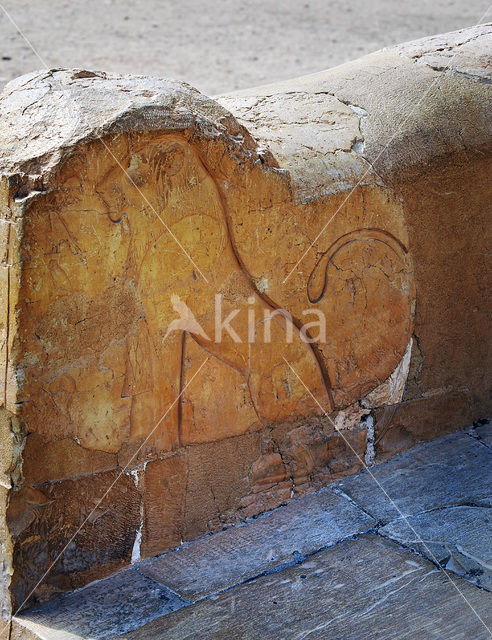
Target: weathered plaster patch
391	390
370	450
465	53
137	474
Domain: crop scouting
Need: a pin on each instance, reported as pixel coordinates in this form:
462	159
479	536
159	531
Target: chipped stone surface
452	471
163	505
389	78
11	443
93	527
401	426
366	588
218	474
272	540
390	392
452	524
314	136
61	459
6	568
102	610
456	52
459	538
297	460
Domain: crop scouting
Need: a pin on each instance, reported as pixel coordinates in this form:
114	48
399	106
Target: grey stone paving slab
354	590
455	470
366	589
109	607
458	537
276	538
484	433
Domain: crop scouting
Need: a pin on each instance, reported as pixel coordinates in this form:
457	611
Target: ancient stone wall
134	208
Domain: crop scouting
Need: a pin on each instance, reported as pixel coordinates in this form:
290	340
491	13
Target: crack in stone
340	492
431	558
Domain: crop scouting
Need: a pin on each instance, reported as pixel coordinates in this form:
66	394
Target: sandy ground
220	45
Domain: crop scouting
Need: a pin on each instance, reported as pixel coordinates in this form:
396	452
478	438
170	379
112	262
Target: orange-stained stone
218	476
406	424
164	484
60	459
220	405
94	528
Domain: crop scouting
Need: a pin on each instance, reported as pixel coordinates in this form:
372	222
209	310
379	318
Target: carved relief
148	235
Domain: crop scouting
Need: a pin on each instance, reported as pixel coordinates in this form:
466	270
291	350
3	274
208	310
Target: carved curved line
105	202
115	220
357	235
318	356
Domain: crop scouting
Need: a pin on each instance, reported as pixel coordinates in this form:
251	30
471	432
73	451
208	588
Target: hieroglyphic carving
118	243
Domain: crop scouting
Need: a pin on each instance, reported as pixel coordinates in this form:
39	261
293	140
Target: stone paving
345	563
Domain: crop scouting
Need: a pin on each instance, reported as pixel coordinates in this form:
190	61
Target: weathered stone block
218	476
449	229
263	550
61	459
136	215
458	537
108	608
456	467
363	588
215	563
165	485
85	528
402	426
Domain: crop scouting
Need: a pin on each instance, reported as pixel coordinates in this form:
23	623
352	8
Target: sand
216	46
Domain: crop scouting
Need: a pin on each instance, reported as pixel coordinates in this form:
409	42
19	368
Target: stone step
312	565
358	589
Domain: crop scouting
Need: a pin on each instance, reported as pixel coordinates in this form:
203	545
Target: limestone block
165	259
456	467
214	563
458	538
399	427
61	459
164	505
218	476
79	525
102	610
